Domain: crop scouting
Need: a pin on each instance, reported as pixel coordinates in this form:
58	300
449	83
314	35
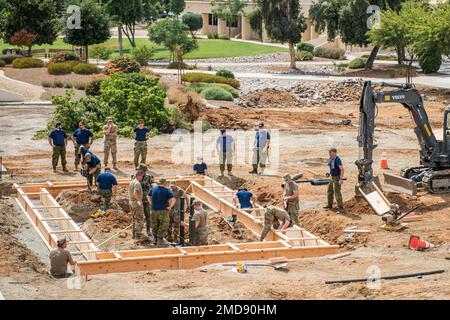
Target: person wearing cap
200	167
245	199
225	147
146	184
173	231
110	142
162	201
140	134
290	198
200	220
82	137
106	183
136	206
59	258
272	217
93	166
336	180
260	149
58	141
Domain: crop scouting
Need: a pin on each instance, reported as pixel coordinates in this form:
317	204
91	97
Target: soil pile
267	190
224	118
231	182
219	231
191	110
269	98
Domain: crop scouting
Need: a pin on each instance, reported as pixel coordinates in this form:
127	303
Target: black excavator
433	174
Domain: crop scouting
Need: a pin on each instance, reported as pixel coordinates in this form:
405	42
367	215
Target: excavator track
437	182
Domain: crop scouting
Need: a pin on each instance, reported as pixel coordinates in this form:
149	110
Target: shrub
122	64
93	87
224	38
85	68
304	56
68	85
225	74
216	93
59	68
58	84
2	63
64	56
199	87
9	58
357	63
100	52
430	60
22	63
143	54
330	53
194	21
79	85
47	84
209	78
213	35
303	46
175	64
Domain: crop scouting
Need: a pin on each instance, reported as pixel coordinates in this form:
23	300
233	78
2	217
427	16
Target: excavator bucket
400	184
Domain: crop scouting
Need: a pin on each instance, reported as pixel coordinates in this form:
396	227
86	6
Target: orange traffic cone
384	162
415	243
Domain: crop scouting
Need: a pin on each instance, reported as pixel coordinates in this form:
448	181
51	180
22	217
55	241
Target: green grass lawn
207	48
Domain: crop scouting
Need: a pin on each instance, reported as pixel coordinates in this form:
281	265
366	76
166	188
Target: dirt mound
191	110
219	231
269	98
224	118
113	219
15	257
267	190
231	182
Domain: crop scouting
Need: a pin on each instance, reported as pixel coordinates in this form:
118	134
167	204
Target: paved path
22	91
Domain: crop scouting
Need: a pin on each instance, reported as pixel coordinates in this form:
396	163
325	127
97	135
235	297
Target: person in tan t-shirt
110	144
59	258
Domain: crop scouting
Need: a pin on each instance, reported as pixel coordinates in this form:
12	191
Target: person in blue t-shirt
82	137
58	141
246	200
200	167
92	165
337	178
140	134
162	201
106	185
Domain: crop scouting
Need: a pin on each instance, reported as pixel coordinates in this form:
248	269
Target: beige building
241	29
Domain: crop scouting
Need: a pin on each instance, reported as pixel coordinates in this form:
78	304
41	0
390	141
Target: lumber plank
340	255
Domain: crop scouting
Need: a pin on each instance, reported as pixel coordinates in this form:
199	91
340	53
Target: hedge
209	78
59	68
22	63
85	68
304	56
2	63
357	63
330	53
303	46
225	74
216	93
199	87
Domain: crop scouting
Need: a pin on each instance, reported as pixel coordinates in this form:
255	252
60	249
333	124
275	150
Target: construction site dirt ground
304	136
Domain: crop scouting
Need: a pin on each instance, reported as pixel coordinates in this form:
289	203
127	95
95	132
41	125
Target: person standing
110	143
58	141
336	181
260	149
174	215
141	134
136	206
106	184
146	183
162	201
272	216
290	198
200	218
200	167
82	137
59	258
93	166
225	146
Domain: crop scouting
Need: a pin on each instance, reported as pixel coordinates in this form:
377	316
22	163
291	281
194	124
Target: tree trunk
401	55
86	52
292	54
119	34
29	51
229	32
372	57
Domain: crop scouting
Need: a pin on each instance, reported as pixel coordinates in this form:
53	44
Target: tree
349	19
194	21
127	14
94	27
100	52
23	38
284	22
228	10
37	17
173	7
172	34
255	19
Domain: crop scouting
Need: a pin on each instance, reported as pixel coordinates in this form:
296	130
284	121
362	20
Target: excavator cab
447	129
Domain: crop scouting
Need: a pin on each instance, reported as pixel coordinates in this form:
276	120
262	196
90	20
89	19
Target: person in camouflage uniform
58	141
272	216
200	218
136	206
110	142
291	202
141	134
106	185
146	184
162	201
174	215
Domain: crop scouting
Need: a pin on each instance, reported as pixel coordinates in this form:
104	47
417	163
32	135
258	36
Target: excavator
433	174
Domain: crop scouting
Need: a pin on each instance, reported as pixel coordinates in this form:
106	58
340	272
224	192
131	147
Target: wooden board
377	202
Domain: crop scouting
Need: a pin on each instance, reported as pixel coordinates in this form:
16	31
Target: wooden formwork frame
292	243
